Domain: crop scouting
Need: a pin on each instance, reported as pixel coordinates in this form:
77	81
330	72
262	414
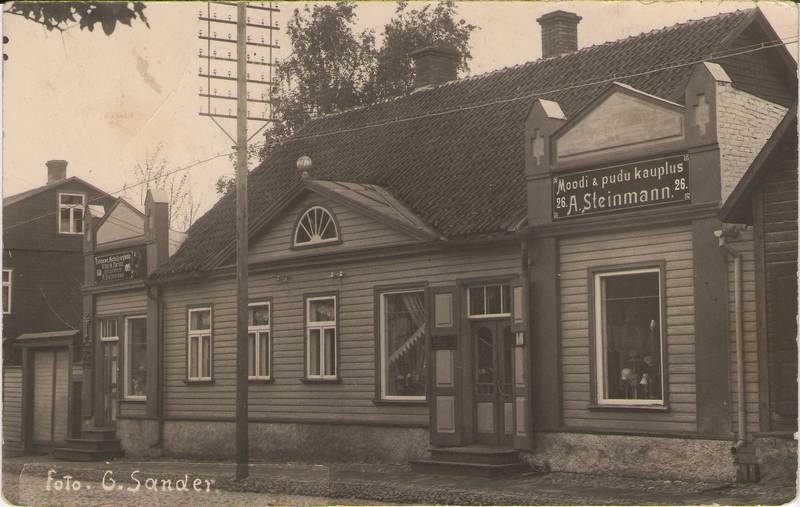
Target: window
489	301
316	226
321	338
402	346
108	330
6	291
199	344
628	336
135	358
258	337
70	213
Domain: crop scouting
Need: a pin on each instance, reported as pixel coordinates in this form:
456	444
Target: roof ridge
492	72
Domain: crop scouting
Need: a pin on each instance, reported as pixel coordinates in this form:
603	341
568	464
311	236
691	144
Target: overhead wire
727	54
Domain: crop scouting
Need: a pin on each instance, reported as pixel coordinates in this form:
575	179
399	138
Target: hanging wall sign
630	186
119	266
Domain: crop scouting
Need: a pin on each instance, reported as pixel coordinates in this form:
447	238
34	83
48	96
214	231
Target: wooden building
534	271
42	267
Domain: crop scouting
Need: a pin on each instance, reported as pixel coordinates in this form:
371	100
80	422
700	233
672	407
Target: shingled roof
462	171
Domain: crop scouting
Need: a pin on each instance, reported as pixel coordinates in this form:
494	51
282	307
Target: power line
127	187
752	48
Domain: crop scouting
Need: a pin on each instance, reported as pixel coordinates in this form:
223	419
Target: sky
103	103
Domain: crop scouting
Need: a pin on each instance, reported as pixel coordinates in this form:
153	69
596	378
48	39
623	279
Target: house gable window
259	346
402	345
199	345
321	338
135	365
487	301
7	291
316	226
70	213
628	323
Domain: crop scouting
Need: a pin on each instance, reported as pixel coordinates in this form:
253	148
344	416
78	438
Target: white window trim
126	363
322	326
199	334
318	241
479	316
383	348
71	215
8	284
257	345
114	338
599	339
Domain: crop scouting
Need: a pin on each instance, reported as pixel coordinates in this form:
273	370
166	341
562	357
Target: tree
154	172
413	29
61	15
333	67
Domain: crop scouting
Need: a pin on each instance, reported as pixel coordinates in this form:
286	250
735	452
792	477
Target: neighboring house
43	232
766	199
527	261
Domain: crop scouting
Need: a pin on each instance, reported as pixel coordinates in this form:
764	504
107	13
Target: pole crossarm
234	41
231	78
233	60
233	116
208	95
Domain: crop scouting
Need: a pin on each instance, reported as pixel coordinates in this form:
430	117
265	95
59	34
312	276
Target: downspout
160	376
723	235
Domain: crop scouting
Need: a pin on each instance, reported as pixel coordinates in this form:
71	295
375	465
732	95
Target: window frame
127	356
110	338
10	285
484	286
257	344
310	244
380	321
597	339
71	232
200	333
322	326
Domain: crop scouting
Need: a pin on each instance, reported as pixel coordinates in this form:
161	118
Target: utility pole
242	440
242	116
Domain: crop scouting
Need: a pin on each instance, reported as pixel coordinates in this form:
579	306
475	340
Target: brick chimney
56	171
559	33
434	65
156	227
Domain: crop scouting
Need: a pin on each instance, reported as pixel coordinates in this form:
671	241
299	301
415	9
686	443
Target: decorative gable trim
421	232
621	118
409	224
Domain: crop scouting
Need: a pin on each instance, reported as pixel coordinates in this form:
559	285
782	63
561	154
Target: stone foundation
777	457
277	441
139	437
634	456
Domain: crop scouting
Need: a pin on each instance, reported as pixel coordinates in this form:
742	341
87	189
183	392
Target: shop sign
630	186
120	266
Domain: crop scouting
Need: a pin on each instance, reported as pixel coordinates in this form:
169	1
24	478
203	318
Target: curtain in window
415	306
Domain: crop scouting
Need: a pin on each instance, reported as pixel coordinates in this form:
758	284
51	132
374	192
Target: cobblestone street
162	483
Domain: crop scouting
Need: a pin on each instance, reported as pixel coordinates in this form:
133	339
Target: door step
95	444
482	461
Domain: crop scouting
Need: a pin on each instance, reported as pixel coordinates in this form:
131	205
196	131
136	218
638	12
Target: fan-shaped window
316	226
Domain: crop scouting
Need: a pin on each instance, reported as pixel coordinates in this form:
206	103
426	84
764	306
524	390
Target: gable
122	222
622	119
356	232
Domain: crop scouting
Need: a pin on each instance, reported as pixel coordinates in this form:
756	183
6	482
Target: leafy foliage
61	15
433	24
333	66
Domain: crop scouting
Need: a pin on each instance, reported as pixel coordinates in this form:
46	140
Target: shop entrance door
110	391
492	342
